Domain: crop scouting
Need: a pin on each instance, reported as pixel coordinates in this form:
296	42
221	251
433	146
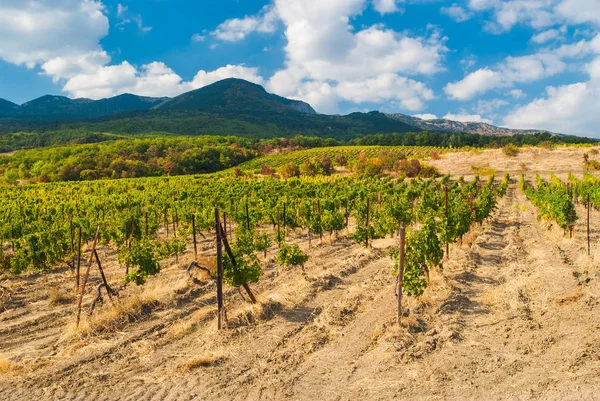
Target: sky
514	63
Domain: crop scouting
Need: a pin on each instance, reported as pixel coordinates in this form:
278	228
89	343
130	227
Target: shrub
340	160
428	171
289	170
291	255
311	167
266	170
510	150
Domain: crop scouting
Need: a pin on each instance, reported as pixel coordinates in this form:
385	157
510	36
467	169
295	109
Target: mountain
51	107
444	125
8	109
234	97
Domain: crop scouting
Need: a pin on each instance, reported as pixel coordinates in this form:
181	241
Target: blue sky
516	63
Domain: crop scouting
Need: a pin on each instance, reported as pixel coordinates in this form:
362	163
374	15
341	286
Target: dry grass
133	306
203	361
58	297
484	170
8	367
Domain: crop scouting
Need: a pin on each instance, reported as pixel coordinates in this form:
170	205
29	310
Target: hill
228	107
444	125
234	97
52	107
8	109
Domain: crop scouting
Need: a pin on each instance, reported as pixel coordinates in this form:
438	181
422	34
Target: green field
351	153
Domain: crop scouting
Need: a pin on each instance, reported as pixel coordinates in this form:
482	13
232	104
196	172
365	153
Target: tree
289	170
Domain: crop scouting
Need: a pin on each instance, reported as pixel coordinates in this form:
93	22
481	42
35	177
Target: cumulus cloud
467	118
326	59
386	6
426	116
539	14
546	36
154	79
516	93
35	32
571	109
513	70
457	13
489	106
236	29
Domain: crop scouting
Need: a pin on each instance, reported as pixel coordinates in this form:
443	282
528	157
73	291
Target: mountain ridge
473	127
223	107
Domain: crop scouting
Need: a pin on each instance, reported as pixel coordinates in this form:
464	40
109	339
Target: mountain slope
8	109
51	107
233	97
445	125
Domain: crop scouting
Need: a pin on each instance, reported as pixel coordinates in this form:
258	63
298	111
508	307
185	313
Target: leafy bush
291	255
510	150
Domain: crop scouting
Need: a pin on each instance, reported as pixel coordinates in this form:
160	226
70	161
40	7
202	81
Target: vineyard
350	153
300	288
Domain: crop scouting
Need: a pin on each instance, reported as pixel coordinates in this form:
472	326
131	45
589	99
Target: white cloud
140	24
198	38
326	58
35	32
204	78
408	93
386	6
546	36
121	10
457	13
467	118
154	79
570	109
236	29
513	70
426	116
473	84
489	106
516	93
539	14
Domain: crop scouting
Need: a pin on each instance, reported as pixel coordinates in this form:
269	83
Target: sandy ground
512	315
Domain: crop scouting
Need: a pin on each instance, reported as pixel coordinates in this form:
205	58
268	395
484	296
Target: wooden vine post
194	237
78	260
400	273
247	217
589	206
233	262
447	214
570	211
87	275
219	269
367	223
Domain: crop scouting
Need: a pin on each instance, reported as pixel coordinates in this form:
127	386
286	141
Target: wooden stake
589	206
247	217
400	274
232	258
87	275
219	269
109	290
447	213
367	231
194	237
78	260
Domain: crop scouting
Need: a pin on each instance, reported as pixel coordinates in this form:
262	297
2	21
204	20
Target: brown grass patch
58	297
131	307
8	367
203	361
570	299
